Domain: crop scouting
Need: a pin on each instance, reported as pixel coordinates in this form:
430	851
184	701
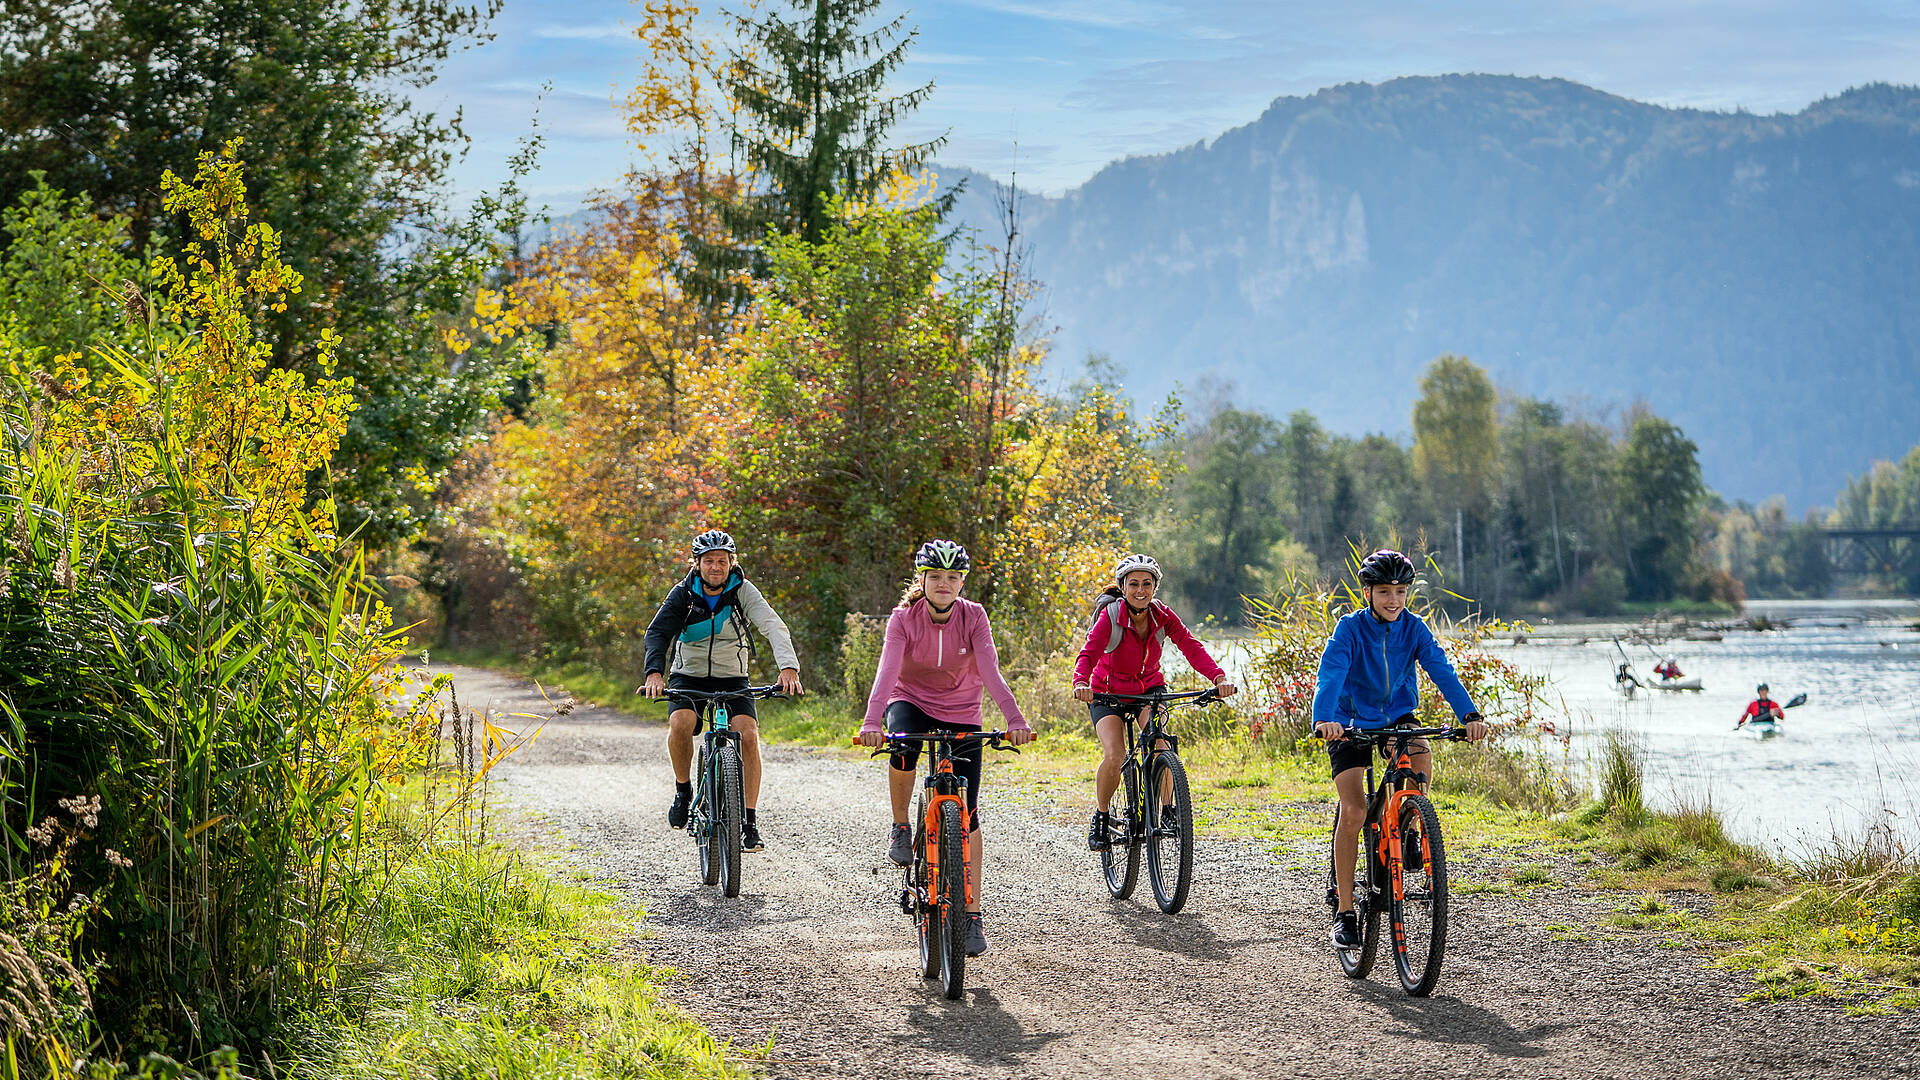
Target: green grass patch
473	963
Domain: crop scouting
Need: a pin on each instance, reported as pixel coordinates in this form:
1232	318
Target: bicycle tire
953	901
727	821
1358	963
1122	871
1171	897
927	918
706	839
1419	906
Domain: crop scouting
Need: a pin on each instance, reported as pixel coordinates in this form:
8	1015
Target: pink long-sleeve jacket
1133	667
940	667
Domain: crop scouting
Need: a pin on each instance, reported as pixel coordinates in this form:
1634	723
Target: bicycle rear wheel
726	820
1357	963
953	900
1120	862
1169	846
706	838
1419	905
927	918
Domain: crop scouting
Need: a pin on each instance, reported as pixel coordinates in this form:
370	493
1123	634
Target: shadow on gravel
1181	934
708	910
1450	1020
980	1028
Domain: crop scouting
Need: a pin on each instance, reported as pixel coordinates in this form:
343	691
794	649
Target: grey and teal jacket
710	640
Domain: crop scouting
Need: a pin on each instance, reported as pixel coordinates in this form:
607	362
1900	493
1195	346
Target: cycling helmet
941	555
1136	562
1386	567
712	540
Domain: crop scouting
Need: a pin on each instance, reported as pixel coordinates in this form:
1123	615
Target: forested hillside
1753	277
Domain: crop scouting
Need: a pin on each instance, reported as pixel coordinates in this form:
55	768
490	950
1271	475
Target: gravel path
815	954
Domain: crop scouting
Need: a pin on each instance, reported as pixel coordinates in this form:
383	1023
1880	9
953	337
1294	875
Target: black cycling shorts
1098	711
1352	754
906	718
736	707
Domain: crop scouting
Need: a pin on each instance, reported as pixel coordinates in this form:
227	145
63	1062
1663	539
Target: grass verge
473	962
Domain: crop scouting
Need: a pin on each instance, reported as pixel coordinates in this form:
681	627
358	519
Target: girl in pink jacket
938	657
1122	656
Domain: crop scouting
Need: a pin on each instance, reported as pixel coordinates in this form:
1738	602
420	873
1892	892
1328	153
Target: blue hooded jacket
1367	677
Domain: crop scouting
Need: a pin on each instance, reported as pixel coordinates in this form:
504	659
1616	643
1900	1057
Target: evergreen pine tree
812	91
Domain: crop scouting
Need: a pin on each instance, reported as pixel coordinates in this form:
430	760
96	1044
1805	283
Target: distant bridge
1890	550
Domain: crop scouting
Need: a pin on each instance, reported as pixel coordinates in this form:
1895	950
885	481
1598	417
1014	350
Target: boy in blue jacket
1367	680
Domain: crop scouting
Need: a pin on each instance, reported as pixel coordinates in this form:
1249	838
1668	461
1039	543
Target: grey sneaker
1169	819
901	849
976	940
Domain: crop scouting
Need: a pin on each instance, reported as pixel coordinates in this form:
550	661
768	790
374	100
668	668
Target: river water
1847	760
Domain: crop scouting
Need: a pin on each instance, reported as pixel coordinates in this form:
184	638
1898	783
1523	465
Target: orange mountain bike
940	881
1403	869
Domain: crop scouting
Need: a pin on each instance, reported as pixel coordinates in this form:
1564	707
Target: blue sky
1058	88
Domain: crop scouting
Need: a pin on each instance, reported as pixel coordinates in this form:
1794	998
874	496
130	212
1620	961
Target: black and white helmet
1386	567
1136	562
712	540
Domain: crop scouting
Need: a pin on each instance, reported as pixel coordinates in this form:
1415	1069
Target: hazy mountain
1756	278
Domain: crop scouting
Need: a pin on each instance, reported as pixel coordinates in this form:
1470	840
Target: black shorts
906	718
1351	754
736	707
1098	711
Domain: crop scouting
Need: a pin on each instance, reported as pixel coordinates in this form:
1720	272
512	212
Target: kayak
1764	729
1677	684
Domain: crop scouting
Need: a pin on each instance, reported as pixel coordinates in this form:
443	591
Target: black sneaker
1346	930
976	940
1097	832
1411	857
750	837
900	850
677	813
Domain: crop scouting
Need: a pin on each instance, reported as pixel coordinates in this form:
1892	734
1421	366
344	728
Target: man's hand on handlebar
655	686
790	682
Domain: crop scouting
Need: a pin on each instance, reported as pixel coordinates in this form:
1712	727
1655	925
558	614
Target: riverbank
1839	923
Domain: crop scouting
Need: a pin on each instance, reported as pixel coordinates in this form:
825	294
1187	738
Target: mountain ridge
1578	244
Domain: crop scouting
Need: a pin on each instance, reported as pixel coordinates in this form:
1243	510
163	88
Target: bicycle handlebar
761	692
1183	697
1458	734
992	739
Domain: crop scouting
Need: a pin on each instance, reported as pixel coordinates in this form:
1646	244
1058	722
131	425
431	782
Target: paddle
1797	701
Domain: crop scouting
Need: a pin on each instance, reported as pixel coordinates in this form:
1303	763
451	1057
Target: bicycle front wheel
706	838
1169	842
953	900
1420	901
1120	861
726	819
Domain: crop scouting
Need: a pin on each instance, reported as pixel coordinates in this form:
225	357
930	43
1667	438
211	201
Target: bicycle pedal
906	901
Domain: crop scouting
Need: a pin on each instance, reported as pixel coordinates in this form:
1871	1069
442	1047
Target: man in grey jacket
704	620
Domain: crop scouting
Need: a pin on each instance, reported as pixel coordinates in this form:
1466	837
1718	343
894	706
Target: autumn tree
1659	491
1455	437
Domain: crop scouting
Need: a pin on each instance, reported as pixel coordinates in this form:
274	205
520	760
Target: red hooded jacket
1133	667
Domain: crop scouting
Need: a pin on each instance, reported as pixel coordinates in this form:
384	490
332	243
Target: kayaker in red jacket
1122	656
1762	708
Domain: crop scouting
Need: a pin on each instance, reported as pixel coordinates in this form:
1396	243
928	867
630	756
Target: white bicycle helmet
1136	562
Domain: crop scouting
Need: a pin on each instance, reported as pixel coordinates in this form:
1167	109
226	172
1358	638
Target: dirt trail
816	955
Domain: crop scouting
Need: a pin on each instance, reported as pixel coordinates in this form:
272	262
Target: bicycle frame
1381	827
1143	744
711	714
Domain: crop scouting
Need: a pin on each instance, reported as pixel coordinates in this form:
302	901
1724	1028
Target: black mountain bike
940	880
718	808
1403	868
1143	821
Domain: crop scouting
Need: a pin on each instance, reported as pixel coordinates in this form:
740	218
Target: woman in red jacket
1122	656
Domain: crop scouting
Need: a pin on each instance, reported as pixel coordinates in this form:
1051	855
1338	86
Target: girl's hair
1111	590
915	591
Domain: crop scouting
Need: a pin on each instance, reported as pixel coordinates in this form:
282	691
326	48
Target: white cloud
561	32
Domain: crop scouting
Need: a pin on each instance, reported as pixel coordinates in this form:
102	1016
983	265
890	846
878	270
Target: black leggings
906	718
